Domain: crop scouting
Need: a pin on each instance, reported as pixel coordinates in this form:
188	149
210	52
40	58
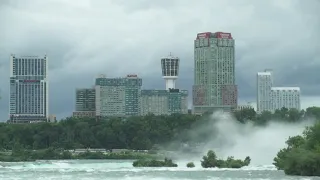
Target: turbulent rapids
122	169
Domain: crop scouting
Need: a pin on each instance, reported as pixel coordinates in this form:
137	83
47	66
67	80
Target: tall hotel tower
29	101
214	73
264	85
170	71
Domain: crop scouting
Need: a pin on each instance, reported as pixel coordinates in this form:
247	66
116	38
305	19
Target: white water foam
113	166
120	169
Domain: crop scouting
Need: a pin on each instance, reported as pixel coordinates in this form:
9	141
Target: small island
301	157
190	165
211	161
154	163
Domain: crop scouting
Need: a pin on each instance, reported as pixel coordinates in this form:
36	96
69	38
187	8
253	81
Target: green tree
302	155
211	161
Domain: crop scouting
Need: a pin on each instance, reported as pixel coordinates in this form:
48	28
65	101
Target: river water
123	170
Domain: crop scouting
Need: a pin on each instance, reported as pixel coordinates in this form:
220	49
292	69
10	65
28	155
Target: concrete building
167	101
81	114
170	70
85	102
164	102
288	97
264	85
214	73
29	91
118	96
244	106
52	118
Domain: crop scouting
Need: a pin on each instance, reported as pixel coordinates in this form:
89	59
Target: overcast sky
84	38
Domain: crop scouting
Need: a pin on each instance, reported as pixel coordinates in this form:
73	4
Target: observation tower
170	70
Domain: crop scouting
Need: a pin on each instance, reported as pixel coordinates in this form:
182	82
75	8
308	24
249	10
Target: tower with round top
170	70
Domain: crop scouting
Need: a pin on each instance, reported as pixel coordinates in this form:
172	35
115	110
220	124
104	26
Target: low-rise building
164	102
288	97
52	118
80	114
244	106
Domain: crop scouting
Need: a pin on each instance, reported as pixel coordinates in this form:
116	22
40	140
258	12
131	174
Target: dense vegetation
19	154
190	165
211	161
139	132
302	154
154	163
50	140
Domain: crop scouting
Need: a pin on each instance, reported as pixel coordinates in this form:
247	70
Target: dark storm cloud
84	38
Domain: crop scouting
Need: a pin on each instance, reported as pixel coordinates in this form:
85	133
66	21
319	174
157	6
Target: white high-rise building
264	85
288	97
170	71
29	91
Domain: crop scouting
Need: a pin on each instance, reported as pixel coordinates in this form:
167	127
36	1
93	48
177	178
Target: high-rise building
164	102
118	96
85	102
264	85
214	73
29	98
170	71
287	97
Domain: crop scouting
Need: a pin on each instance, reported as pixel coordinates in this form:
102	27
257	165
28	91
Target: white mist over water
231	138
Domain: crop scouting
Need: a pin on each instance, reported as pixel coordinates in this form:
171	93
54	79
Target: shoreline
53	154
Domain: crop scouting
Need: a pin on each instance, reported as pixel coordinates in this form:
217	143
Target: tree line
137	132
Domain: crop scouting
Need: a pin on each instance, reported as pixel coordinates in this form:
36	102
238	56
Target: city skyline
80	49
27	71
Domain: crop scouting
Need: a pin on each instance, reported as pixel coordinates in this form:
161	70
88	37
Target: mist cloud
227	137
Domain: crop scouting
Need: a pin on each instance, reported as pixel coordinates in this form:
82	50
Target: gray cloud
84	38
